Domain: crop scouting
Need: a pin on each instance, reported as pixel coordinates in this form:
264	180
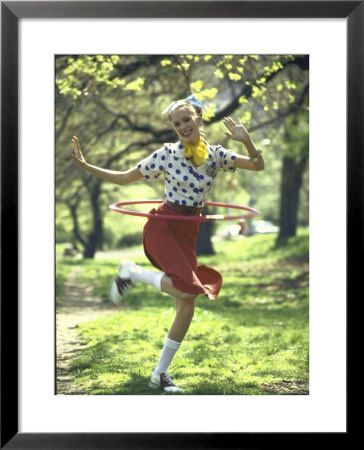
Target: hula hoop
251	212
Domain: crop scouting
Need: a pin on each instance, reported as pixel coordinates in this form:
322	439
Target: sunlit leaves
66	88
194	58
290	84
246	118
165	62
276	66
256	91
261	80
207	94
219	73
210	112
230	67
115	59
196	86
234	76
84	74
183	64
135	85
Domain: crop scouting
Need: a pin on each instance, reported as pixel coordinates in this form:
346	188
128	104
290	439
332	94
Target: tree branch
246	90
123	70
132	125
64	121
283	114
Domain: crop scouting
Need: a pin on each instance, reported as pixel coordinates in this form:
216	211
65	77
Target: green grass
62	271
255	334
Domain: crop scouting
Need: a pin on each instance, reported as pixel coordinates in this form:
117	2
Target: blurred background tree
113	103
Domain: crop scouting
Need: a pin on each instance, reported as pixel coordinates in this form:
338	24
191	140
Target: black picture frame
11	12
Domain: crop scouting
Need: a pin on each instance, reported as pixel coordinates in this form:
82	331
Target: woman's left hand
237	131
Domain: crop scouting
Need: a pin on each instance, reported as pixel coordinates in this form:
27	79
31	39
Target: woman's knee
185	296
185	307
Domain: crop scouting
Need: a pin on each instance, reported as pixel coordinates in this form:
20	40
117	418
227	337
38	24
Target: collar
177	150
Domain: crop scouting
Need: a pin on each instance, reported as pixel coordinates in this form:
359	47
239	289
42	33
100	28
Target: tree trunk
292	173
93	238
78	236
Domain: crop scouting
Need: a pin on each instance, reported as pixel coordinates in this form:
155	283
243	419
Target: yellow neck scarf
198	152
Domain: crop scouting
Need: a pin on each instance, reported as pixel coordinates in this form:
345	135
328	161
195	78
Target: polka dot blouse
185	183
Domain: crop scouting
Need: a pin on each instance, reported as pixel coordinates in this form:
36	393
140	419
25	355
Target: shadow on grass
212	388
262	314
246	342
138	385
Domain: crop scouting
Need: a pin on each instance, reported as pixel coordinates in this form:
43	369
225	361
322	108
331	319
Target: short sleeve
225	159
152	166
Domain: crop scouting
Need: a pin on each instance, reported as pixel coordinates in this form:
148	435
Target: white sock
146	276
169	349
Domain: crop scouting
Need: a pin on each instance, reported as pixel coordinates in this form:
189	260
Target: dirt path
78	305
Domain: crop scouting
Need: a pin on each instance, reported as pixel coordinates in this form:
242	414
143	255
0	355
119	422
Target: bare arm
239	133
243	162
113	176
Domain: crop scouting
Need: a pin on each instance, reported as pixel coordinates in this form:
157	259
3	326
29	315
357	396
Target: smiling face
186	124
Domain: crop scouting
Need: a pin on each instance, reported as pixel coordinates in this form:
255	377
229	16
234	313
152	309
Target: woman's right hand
77	155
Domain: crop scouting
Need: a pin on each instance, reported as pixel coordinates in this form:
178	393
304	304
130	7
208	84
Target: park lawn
63	269
253	339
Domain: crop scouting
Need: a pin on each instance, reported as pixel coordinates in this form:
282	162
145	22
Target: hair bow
190	99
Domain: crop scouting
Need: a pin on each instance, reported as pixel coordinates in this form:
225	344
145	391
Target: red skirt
170	245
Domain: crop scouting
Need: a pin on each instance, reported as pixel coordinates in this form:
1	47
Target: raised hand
77	154
237	131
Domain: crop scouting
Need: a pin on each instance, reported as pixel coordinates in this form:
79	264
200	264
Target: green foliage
113	104
83	74
250	341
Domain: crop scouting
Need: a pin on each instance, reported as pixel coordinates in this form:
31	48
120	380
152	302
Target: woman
190	166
